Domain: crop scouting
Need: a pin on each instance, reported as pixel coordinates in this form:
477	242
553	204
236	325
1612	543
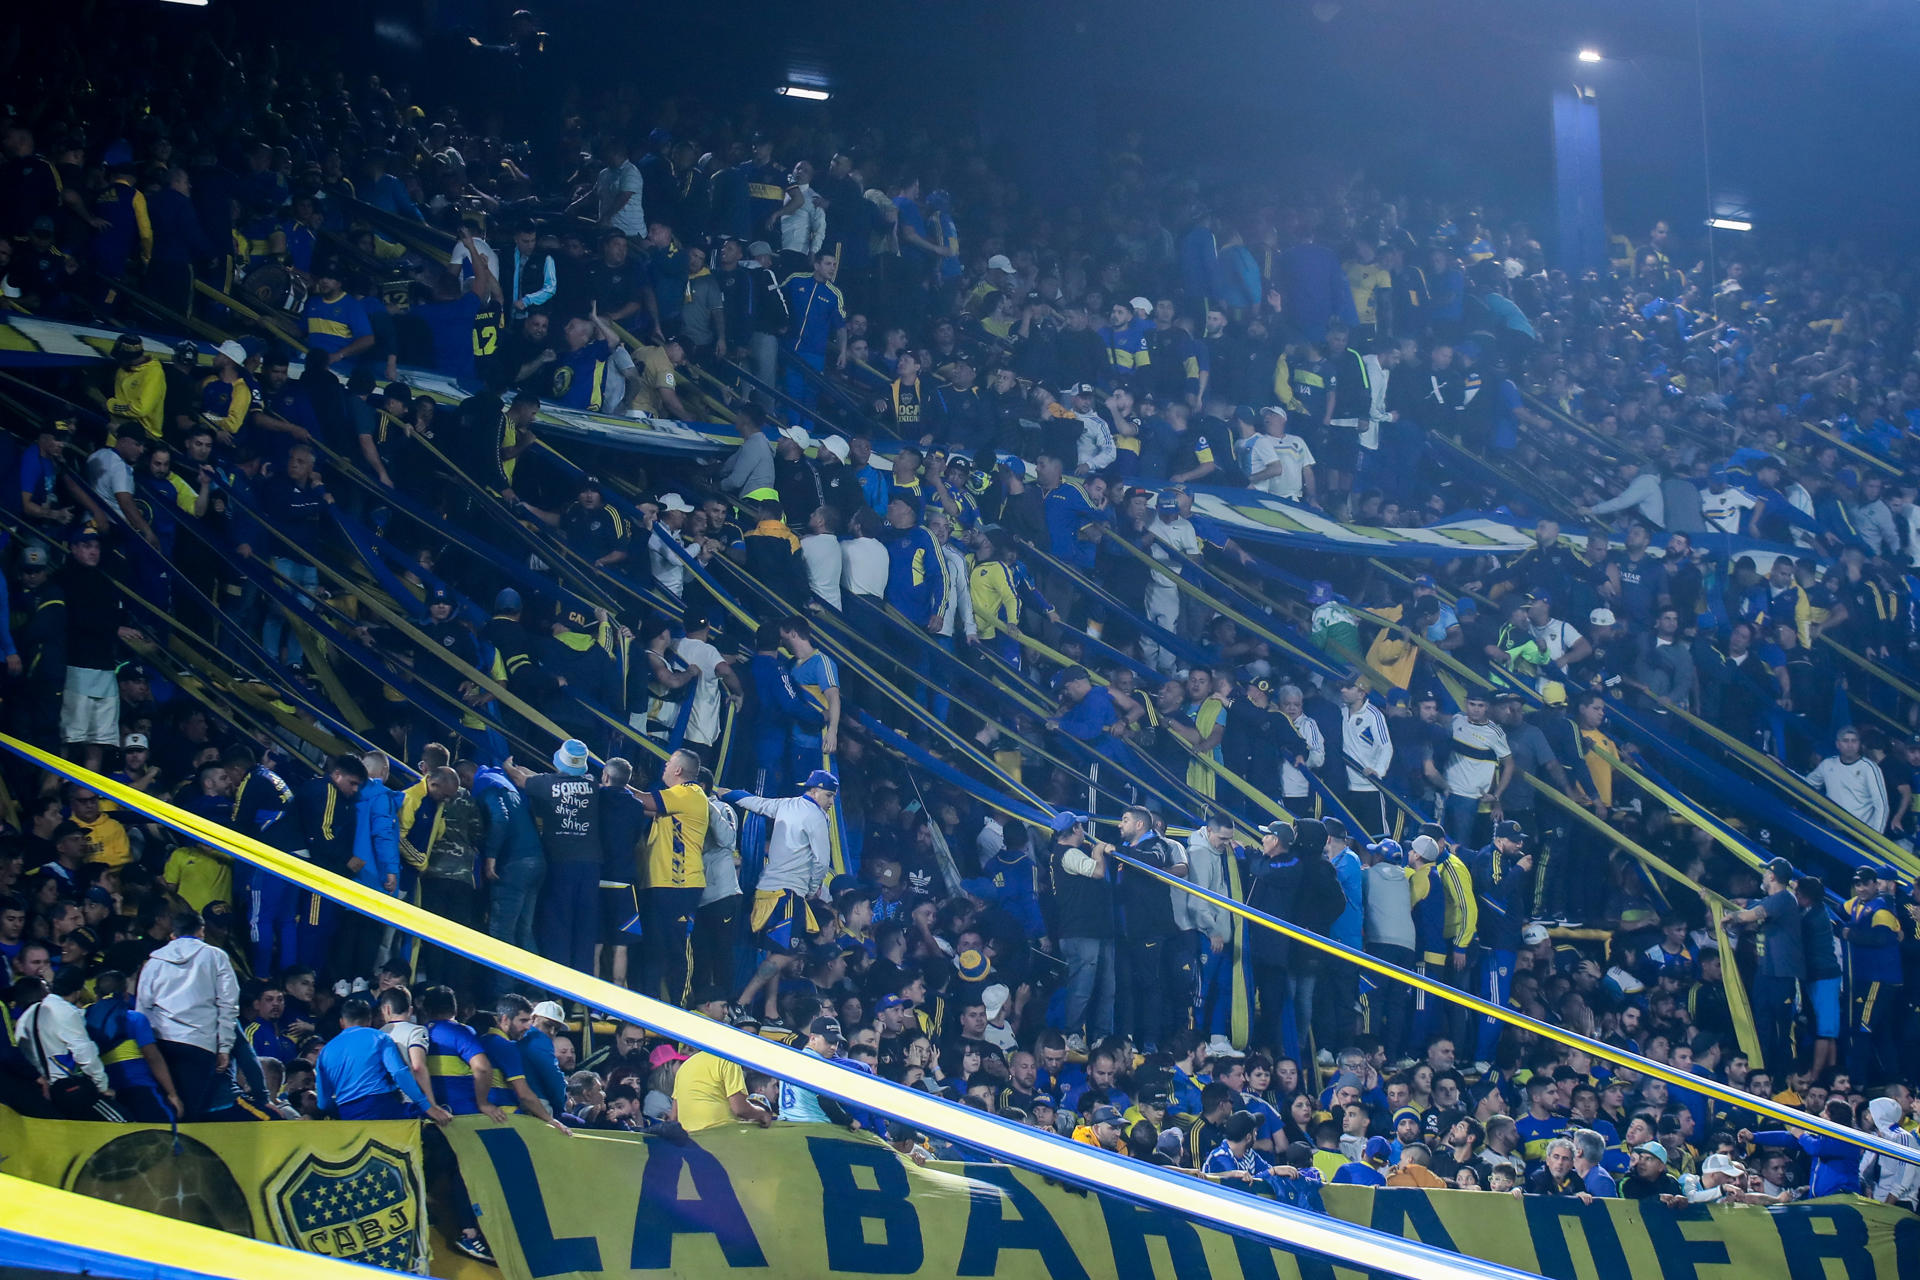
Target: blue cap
1424	580
1042	1100
1717	473
1848	477
1321	593
508	601
571	758
1465	605
1168	500
84	533
885	1003
439	595
1379	1149
1067	820
1388	848
821	778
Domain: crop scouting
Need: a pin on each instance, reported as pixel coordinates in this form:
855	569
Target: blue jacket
916	574
1348	925
1836	1164
543	1070
510	835
376	833
362	1062
778	705
1007	883
1066	510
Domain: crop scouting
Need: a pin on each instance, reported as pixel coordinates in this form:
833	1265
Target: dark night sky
1811	106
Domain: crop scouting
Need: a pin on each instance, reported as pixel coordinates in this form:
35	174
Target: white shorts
87	715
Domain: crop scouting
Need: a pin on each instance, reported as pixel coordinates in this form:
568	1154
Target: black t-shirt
614	287
1637	1188
566	809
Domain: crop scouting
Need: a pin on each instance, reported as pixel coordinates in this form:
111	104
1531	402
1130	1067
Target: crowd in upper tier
865	730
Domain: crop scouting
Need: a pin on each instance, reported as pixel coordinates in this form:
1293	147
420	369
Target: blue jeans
1459	814
302	575
944	679
273	908
1089	985
1215	1011
510	915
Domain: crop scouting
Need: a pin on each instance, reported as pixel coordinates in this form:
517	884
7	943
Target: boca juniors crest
364	1209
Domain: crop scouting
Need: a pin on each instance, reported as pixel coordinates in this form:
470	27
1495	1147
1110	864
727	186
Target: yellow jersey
678	834
701	1089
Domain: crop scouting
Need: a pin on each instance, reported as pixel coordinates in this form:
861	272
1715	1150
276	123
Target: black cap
1865	875
828	1027
1508	830
68	828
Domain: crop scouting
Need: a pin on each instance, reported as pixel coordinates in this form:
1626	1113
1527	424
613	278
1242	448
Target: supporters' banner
812	1200
350	1191
29	342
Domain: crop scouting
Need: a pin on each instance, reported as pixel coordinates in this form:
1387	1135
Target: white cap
233	351
1000	262
550	1010
135	742
1426	848
1141	304
673	502
837	446
995	998
1534	934
800	436
1601	617
1719	1163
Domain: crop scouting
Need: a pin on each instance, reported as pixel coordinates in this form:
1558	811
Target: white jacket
189	993
800	849
53	1035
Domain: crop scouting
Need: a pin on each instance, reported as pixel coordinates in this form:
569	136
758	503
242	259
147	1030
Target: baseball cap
885	1003
1425	848
837	446
1167	501
135	742
35	557
1653	1149
68	828
85	533
674	502
821	778
1000	262
1042	1100
1533	935
1379	1148
1601	617
828	1027
1508	830
1320	593
1273	409
1424	580
759	249
1465	607
550	1010
1720	1163
506	601
1140	303
1067	821
1111	1115
233	351
1075	672
1388	848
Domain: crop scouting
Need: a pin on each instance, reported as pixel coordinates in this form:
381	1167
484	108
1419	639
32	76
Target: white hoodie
189	993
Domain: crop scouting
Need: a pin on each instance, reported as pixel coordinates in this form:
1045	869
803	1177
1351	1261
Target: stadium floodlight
794	91
197	3
1589	55
1729	224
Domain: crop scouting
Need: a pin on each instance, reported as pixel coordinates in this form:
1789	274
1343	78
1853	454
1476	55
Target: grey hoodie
189	993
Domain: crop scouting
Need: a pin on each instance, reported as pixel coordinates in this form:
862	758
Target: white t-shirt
407	1035
1722	511
1467	776
669	568
1557	636
867	565
1168	537
825	564
703	724
107	474
631	219
1291	453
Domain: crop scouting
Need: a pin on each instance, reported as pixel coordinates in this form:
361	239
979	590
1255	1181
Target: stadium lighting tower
1589	55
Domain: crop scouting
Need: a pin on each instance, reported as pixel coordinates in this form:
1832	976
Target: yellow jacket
140	395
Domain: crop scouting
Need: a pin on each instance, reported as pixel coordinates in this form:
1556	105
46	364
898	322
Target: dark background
1810	105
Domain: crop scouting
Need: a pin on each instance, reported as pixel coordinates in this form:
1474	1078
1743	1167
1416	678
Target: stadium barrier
1163	1191
816	1200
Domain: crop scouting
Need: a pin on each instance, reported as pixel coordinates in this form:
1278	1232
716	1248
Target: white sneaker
1219	1047
1076	1044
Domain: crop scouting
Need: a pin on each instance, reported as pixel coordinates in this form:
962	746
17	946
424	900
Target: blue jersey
580	378
331	326
504	1054
451	1049
261	804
